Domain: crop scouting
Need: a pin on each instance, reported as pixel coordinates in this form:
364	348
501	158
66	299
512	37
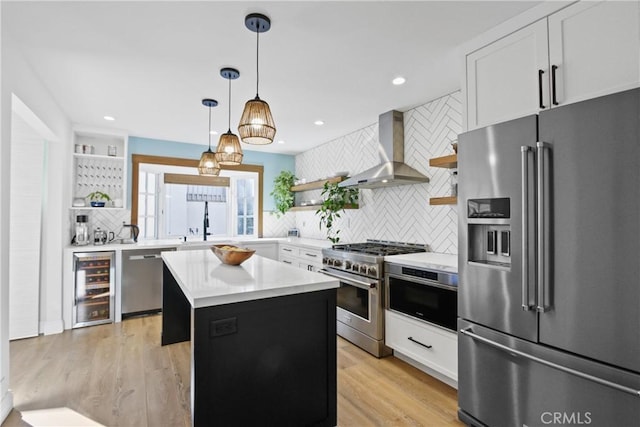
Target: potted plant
335	200
98	199
282	193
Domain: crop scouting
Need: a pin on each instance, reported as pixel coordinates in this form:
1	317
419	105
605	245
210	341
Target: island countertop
205	281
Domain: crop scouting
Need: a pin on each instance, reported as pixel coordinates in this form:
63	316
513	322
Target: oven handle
356	283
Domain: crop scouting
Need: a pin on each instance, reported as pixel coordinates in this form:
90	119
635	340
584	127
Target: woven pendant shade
208	164
256	124
229	152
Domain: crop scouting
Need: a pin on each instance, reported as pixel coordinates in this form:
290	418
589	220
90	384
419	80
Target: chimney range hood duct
392	171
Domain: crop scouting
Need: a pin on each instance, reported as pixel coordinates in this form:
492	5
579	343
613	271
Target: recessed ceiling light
281	142
109	118
318	123
398	81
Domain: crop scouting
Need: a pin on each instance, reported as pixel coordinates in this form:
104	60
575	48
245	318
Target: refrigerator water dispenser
489	231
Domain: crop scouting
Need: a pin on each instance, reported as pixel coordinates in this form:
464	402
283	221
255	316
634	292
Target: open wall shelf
314	185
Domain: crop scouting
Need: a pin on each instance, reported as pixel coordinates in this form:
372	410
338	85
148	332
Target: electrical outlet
222	327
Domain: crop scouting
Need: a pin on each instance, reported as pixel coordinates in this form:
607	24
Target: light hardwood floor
118	374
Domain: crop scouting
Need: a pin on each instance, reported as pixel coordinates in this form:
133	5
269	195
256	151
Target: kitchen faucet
206	220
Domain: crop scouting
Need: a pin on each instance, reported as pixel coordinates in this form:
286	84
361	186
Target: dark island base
260	363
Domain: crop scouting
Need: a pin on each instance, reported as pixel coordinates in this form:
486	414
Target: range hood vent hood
392	171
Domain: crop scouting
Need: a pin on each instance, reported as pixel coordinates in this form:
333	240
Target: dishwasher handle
144	257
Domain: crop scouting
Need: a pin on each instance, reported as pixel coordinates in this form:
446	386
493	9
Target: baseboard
437	375
50	327
6	405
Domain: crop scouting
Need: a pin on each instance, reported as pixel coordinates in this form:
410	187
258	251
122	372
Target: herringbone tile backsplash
398	213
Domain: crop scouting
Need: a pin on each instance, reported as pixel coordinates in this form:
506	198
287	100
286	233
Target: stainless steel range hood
392	170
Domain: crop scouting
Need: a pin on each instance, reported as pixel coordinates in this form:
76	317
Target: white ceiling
149	64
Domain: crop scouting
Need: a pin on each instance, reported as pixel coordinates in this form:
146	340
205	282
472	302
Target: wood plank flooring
119	375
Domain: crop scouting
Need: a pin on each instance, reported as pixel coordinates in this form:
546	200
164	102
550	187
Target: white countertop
205	281
432	260
310	243
169	243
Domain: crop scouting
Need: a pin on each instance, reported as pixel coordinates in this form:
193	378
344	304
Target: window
147	207
177	208
245	196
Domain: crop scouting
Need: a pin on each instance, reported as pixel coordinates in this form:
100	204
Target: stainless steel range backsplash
397	213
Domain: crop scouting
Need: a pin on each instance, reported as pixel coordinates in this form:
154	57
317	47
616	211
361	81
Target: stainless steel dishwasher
142	281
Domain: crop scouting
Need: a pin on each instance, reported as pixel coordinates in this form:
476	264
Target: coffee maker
82	230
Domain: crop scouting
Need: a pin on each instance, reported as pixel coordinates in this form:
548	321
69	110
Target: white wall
26	203
20	80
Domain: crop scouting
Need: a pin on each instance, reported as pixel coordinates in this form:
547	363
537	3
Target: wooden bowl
232	255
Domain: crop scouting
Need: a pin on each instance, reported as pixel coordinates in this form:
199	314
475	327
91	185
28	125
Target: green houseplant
335	200
98	199
282	194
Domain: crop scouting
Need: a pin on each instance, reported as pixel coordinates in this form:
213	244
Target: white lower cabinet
265	249
430	346
301	256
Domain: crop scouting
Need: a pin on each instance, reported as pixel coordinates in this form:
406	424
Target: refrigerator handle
541	241
512	351
524	157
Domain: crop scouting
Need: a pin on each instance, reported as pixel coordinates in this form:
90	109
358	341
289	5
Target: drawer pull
419	343
286	249
286	262
311	255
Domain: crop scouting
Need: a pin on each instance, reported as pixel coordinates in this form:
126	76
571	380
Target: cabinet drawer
289	260
411	337
310	255
286	251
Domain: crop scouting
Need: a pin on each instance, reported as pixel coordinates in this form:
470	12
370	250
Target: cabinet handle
540	73
286	262
286	250
311	255
419	343
553	84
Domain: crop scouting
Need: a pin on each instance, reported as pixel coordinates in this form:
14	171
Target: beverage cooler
94	285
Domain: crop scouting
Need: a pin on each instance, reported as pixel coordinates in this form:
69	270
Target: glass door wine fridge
94	285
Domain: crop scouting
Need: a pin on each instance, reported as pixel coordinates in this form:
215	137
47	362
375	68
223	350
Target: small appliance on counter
99	237
293	232
81	237
134	231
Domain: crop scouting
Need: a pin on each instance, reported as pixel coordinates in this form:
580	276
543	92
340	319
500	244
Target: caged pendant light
208	164
256	124
229	152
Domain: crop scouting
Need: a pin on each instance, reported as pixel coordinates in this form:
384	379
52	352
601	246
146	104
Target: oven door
433	303
358	303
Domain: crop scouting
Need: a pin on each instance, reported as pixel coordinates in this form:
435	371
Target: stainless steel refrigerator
549	267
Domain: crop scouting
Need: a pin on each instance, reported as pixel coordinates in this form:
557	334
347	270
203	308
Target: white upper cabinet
596	49
503	80
586	50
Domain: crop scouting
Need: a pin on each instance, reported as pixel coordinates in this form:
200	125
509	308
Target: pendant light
256	124
229	151
208	164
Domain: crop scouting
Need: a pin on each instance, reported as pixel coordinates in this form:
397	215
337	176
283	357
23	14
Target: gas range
367	258
360	306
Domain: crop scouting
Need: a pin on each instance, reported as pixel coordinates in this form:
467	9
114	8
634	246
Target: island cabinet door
266	362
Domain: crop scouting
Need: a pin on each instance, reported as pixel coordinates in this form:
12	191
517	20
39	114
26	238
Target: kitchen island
263	339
